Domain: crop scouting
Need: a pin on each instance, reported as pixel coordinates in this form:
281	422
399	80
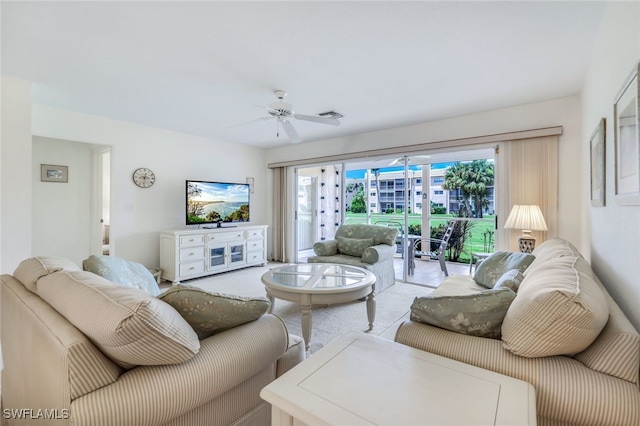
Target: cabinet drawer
191	268
191	253
226	236
191	240
255	233
253	245
255	256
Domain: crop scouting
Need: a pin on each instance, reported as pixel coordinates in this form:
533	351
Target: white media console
194	253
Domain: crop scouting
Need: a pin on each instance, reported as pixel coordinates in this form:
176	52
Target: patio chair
420	245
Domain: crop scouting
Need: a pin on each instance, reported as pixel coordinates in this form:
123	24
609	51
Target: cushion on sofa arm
128	325
353	246
492	268
374	254
29	271
478	314
560	310
123	272
210	313
616	351
326	248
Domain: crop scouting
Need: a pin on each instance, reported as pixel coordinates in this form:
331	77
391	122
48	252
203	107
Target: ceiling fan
283	113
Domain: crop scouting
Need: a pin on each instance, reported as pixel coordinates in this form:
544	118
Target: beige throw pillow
559	310
128	325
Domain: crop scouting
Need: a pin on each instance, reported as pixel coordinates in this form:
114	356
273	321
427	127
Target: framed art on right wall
627	142
598	173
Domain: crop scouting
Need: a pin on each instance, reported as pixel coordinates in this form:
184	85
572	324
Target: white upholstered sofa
62	376
563	333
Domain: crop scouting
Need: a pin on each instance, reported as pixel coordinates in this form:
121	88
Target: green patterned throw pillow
478	314
510	279
353	246
492	268
210	313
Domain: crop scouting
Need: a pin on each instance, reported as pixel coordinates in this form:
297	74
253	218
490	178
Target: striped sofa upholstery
598	386
51	365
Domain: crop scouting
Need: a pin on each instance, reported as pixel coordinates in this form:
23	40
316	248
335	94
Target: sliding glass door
306	213
419	194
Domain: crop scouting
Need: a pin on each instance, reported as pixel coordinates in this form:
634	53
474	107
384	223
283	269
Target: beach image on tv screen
212	202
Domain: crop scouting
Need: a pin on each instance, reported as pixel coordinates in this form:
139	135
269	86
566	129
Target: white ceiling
201	67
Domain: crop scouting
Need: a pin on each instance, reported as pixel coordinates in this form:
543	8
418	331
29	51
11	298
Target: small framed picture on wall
52	173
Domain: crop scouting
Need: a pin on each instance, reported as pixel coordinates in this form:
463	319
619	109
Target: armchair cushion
210	313
380	234
373	254
353	246
326	248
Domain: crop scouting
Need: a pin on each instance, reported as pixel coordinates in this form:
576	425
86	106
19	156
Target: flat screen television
216	202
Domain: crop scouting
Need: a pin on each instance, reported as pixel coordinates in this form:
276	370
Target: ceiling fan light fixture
283	113
280	94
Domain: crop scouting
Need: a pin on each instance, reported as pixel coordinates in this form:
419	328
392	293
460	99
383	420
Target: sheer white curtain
527	173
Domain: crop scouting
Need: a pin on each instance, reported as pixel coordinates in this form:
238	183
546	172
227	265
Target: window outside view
455	190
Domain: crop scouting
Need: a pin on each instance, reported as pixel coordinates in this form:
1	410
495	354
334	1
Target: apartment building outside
392	186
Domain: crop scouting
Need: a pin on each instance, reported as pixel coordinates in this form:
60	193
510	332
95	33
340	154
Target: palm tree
473	180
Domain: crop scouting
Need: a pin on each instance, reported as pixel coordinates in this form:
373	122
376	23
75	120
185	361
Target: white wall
137	215
563	112
61	223
614	230
15	173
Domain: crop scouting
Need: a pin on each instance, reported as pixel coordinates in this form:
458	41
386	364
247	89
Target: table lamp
528	218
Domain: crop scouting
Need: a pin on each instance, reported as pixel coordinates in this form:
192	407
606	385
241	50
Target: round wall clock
144	177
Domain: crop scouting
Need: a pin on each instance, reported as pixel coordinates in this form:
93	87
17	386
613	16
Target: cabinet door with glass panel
223	255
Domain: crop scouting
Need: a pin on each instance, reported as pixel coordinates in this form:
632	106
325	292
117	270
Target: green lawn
475	242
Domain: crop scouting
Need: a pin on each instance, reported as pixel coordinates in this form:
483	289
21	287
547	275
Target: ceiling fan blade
249	122
294	137
317	119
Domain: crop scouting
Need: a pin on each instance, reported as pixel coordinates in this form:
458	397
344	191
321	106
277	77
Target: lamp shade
526	217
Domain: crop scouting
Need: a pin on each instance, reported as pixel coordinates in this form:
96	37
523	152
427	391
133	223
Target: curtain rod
409	149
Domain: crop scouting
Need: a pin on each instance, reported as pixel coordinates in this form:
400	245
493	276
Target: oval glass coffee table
320	284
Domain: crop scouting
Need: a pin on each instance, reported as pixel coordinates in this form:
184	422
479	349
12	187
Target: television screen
214	202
